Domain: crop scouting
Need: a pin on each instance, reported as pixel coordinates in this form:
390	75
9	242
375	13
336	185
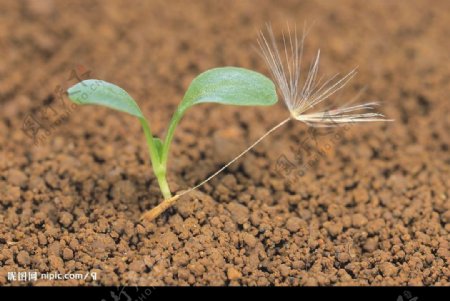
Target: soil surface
364	205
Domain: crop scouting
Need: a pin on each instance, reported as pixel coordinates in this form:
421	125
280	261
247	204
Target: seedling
227	85
237	86
300	96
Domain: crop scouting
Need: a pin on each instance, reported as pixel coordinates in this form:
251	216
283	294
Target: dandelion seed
285	64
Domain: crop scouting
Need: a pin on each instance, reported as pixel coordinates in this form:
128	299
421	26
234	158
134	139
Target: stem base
156	211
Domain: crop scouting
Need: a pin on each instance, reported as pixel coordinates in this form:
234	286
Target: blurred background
153	49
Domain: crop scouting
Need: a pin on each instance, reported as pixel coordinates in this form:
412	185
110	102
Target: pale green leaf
98	92
230	86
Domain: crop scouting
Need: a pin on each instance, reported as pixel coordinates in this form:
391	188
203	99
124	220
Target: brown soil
372	209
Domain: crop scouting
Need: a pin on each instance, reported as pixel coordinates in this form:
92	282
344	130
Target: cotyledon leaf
230	86
98	92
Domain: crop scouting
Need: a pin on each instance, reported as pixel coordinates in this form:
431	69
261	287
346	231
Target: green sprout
226	85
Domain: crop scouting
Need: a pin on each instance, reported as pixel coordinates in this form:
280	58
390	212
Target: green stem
169	136
163	185
158	167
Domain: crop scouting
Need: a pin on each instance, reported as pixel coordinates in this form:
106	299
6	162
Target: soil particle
359	220
294	224
233	274
196	268
40	7
371	244
239	213
333	228
388	269
67	254
137	266
193	203
250	240
446	217
375	226
227	142
16	177
334	210
55	263
102	243
23	258
54	249
9	194
181	259
66	219
124	190
42	239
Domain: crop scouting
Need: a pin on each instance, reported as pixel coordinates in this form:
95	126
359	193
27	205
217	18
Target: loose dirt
364	205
